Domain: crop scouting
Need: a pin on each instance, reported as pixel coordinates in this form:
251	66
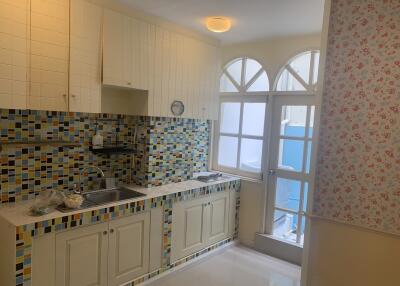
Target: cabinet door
14	53
116	49
49	55
85	57
81	256
218	217
188	227
129	248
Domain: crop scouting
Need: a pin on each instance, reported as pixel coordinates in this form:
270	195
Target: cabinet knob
73	95
111	230
129	83
105	232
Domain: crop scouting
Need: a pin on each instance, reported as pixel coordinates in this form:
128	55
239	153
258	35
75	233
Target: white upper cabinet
49	55
85	57
14	53
126	52
168	65
115	51
57	54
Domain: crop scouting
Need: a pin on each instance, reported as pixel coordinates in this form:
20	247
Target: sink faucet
99	171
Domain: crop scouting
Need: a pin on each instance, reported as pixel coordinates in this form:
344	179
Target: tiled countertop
18	214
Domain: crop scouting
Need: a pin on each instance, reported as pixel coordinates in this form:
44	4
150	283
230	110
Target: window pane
288	83
252	67
316	66
311	129
253	119
235	70
250	155
288	194
305	200
226	85
285	225
230	117
227	151
293	120
309	152
261	83
291	155
301	65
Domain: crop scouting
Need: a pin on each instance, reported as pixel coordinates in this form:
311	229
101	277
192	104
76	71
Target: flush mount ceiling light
218	24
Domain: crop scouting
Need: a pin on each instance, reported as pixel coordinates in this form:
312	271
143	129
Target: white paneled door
81	256
290	165
128	248
49	60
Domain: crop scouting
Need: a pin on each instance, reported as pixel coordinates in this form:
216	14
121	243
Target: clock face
177	108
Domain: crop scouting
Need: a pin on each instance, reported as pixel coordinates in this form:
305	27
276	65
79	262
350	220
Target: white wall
273	54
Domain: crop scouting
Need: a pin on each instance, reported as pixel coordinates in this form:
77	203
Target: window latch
271	172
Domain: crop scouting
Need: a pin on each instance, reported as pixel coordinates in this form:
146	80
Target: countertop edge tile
18	214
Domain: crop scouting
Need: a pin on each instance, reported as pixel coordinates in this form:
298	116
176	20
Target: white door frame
319	94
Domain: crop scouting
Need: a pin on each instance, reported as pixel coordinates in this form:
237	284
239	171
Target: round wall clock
177	108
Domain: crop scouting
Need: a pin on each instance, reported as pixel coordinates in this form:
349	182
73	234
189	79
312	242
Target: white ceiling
252	19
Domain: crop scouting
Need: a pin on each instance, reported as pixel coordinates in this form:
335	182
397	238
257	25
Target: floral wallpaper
358	174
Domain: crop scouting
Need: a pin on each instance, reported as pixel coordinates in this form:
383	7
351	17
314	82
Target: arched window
244	85
300	73
244	75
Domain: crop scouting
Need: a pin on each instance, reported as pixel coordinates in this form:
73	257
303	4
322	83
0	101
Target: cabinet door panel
188	235
218	212
85	57
129	248
81	256
49	55
113	50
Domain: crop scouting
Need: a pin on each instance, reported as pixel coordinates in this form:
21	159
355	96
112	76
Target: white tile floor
233	266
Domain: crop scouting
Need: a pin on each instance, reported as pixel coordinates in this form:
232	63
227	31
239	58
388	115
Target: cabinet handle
111	230
105	232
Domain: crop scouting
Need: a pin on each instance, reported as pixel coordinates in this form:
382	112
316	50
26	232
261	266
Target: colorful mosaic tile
166	150
25	233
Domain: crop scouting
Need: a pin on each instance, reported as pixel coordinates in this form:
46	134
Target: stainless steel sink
106	196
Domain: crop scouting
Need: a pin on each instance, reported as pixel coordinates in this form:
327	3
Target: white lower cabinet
81	256
199	223
104	254
117	252
128	249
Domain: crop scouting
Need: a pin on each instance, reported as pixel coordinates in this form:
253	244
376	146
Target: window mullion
253	79
240	135
233	81
299	218
311	75
296	76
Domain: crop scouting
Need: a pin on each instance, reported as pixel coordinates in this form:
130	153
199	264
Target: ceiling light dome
218	24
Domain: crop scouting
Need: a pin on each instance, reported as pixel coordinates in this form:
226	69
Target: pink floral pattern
358	174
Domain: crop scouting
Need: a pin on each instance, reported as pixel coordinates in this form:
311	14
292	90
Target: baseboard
269	245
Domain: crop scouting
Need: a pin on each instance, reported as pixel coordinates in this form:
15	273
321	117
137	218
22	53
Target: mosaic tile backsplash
165	150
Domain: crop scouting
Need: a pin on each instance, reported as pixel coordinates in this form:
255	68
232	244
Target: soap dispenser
97	140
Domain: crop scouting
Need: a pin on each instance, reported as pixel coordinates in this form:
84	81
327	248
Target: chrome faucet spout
99	171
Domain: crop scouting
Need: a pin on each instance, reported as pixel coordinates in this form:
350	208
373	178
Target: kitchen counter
19	214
